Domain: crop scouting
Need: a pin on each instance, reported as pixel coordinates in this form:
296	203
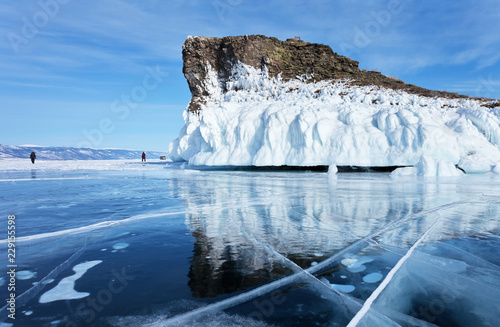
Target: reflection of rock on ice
235	223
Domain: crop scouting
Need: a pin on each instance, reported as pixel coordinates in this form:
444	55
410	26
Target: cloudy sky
108	73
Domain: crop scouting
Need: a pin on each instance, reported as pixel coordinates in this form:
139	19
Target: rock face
290	58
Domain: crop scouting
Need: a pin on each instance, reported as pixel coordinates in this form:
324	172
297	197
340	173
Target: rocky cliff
290	58
259	101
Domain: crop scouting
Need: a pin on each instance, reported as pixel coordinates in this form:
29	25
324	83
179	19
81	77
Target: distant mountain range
70	153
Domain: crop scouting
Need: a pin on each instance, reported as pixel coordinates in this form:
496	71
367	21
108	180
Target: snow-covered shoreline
73	165
264	121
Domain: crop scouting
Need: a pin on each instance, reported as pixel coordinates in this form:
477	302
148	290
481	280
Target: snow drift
265	121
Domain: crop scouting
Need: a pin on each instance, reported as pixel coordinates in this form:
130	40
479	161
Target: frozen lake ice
120	243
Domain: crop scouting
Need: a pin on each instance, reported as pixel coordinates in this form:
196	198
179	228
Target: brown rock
291	58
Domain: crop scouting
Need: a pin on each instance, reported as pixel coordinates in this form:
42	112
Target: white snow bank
264	121
428	167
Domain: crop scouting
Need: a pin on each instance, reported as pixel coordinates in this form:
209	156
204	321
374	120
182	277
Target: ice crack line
89	228
297	269
366	306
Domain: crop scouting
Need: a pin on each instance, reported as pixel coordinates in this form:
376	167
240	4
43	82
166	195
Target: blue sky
109	73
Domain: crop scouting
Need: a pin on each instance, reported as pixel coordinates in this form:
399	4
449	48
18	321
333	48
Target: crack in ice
367	305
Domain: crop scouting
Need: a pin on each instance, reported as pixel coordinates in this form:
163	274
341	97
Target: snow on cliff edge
264	121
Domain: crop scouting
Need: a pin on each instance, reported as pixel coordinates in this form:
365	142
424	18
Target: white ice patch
120	246
265	121
25	274
65	290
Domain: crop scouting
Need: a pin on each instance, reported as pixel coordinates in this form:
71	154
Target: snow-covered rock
264	121
245	116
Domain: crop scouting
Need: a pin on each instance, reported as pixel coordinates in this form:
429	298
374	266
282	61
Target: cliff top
291	58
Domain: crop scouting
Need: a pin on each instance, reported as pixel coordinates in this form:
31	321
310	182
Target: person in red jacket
143	157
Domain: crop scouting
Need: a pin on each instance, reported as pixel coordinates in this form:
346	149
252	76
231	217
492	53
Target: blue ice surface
192	246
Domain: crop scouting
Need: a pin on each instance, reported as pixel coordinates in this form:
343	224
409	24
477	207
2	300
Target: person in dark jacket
143	157
33	157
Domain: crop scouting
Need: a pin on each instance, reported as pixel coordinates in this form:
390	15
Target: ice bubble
356	268
104	249
28	313
319	254
343	276
373	277
47	281
314	263
25	274
2	281
344	288
120	246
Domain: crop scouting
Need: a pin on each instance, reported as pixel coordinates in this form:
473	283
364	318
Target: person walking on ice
143	157
33	157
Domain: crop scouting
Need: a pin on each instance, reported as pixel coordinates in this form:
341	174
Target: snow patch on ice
65	290
120	246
